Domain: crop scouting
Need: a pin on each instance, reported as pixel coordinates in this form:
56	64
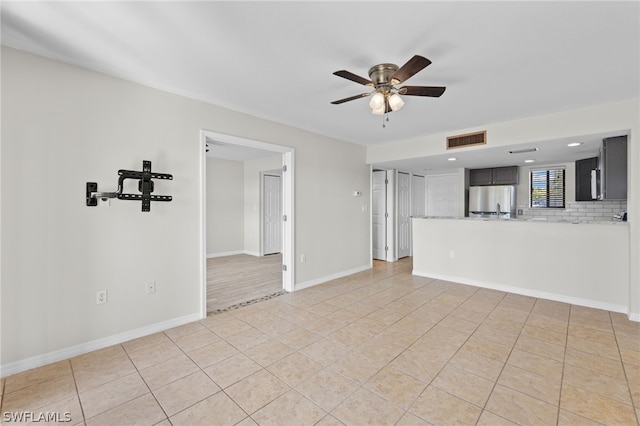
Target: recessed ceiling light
575	144
452	159
529	161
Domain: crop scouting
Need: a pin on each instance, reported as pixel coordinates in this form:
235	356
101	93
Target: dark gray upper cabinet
614	168
494	176
480	177
583	178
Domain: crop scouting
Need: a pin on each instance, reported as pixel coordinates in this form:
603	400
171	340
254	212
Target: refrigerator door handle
594	184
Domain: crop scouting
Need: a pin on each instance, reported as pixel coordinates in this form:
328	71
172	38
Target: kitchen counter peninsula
585	265
529	219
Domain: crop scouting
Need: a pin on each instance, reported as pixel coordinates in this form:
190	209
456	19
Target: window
547	188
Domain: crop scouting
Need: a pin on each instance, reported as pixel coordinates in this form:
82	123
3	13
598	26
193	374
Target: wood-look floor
232	280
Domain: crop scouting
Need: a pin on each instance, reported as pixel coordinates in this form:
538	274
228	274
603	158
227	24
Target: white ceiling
499	60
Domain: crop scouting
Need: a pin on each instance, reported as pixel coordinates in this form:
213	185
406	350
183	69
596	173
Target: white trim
288	249
335	276
371	214
252	253
288	228
633	317
83	348
203	223
528	292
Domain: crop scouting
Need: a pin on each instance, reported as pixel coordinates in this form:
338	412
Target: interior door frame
374	211
288	194
391	237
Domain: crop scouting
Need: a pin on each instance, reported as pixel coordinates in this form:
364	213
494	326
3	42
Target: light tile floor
379	347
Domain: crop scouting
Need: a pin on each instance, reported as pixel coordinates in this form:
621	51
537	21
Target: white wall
225	206
253	202
63	126
325	207
580	264
617	116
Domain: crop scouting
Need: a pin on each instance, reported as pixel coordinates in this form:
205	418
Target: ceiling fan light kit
377	101
395	102
385	97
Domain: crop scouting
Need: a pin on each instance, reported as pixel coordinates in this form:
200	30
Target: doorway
287	203
383	214
379	214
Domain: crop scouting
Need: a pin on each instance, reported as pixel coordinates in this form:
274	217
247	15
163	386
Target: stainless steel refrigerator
492	201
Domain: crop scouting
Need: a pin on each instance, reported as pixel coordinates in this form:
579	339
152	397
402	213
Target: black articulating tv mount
145	186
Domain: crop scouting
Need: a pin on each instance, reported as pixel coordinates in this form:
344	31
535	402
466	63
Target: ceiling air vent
469	139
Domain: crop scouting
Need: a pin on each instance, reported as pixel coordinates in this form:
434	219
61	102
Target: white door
404	215
379	214
418	194
442	195
272	214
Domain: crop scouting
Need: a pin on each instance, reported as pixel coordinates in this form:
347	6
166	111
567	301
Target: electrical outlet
101	297
303	258
151	287
452	254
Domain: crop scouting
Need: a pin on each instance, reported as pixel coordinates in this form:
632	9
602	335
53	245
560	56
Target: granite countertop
540	219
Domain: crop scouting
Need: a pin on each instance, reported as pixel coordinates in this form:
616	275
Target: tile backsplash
597	211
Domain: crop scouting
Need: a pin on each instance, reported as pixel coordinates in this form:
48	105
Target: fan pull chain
385	117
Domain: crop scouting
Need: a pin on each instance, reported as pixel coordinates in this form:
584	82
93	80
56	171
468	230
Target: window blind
547	188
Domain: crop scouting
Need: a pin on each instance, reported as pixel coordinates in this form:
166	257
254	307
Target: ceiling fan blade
351	76
433	91
351	98
412	66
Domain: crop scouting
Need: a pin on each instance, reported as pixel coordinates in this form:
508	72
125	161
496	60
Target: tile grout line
457	350
200	369
495	383
450	358
204	372
624	370
564	364
2	395
75	384
317	298
145	382
359	386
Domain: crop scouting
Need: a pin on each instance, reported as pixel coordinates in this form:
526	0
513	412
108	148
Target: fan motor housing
381	74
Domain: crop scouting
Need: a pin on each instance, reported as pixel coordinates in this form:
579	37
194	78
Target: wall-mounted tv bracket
145	186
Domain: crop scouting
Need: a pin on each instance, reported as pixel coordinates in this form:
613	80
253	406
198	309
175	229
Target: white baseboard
83	348
533	293
634	317
311	283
